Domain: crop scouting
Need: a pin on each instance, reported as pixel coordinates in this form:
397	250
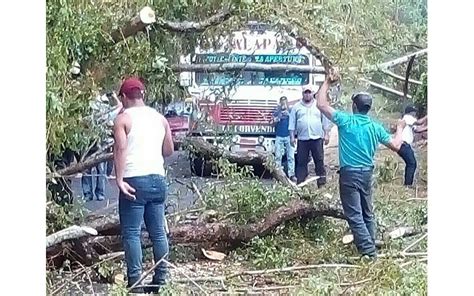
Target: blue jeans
408	156
87	182
149	205
282	145
355	187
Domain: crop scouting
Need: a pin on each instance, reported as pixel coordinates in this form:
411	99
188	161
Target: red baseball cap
130	84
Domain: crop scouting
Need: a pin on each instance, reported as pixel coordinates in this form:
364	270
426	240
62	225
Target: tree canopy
351	33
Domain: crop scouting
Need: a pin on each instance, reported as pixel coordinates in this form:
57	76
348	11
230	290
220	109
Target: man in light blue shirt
312	129
359	137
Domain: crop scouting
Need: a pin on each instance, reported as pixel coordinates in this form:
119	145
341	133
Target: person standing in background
312	129
103	115
281	118
406	150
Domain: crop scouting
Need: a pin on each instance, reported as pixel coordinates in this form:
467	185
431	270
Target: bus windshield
272	78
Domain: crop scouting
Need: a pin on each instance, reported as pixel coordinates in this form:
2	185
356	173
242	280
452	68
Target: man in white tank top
142	140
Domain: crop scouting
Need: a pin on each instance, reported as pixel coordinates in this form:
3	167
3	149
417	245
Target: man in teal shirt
359	137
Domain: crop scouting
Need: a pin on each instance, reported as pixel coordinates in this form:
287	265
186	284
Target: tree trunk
203	148
226	236
145	17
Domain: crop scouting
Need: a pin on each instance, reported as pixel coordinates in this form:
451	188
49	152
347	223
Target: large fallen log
221	234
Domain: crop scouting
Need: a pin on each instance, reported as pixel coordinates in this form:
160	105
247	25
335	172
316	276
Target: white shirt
407	133
144	143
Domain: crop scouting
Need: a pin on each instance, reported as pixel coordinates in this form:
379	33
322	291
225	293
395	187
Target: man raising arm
325	108
359	137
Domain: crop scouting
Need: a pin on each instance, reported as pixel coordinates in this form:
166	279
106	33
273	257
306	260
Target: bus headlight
261	139
235	139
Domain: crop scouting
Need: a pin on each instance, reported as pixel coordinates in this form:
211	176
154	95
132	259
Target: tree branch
314	50
187	26
146	17
82	166
385	88
407	77
72	232
396	76
397	61
227	67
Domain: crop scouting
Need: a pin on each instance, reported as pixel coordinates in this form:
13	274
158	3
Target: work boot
136	290
151	289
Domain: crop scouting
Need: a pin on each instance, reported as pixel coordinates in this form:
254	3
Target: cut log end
147	15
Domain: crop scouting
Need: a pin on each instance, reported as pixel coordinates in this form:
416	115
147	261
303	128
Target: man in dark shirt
282	140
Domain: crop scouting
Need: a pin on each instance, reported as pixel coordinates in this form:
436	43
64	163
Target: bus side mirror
185	79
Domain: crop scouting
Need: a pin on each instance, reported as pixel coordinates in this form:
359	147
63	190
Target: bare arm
322	100
168	145
292	126
120	145
396	140
421	121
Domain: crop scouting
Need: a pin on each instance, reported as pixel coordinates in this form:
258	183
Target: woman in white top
406	150
142	140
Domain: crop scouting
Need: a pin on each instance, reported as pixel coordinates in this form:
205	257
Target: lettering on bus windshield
270	78
297	59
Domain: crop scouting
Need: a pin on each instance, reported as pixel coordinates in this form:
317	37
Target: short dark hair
283	98
363	102
410	108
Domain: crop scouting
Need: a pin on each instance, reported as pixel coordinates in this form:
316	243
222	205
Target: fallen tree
147	17
199	146
220	235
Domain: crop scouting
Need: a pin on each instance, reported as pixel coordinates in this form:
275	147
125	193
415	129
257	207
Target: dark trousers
355	188
303	149
407	154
